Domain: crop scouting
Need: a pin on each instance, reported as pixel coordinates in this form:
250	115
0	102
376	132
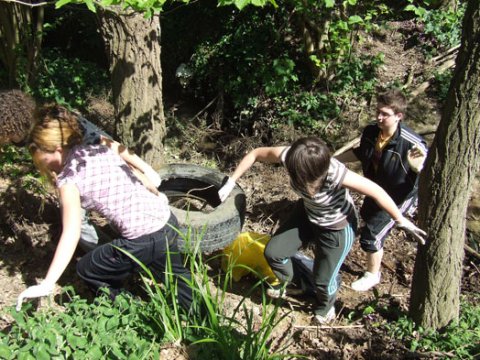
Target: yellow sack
247	249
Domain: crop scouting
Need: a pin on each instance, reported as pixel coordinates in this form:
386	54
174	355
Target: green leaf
42	353
101	325
95	353
60	3
76	341
329	3
112	324
355	19
240	4
368	310
5	351
90	5
25	356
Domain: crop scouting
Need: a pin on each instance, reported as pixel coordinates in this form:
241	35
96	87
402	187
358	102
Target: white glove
43	289
226	189
413	230
153	176
416	157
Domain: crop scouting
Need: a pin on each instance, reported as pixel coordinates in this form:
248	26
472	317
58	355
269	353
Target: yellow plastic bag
247	249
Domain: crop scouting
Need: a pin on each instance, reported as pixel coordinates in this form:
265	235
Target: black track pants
106	266
331	249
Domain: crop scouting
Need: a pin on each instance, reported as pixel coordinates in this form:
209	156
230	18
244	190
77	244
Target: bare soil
30	226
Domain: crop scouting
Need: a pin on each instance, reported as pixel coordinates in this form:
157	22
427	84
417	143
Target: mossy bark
445	186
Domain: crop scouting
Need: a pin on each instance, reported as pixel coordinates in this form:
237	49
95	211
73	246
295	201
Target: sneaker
366	282
281	293
327	318
276	293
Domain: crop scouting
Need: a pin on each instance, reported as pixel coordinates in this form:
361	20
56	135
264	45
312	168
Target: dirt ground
30	225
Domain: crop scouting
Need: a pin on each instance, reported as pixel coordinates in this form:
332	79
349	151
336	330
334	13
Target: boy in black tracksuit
392	155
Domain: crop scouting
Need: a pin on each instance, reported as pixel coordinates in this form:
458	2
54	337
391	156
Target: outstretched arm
367	187
71	222
262	154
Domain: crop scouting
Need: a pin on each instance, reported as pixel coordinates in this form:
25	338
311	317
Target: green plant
130	328
445	27
442	29
442	84
68	81
13	156
461	338
219	332
82	330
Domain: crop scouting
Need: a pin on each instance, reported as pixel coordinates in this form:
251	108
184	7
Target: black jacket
393	173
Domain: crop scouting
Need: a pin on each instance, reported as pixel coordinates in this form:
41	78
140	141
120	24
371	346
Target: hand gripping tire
215	229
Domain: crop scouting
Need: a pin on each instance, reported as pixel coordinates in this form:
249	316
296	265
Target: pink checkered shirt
108	186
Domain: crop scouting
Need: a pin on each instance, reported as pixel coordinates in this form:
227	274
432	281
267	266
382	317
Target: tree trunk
445	185
20	36
133	44
444	4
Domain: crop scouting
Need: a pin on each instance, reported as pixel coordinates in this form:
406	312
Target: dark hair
307	163
393	99
16	116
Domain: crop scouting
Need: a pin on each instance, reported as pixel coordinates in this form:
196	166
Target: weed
68	81
461	337
130	328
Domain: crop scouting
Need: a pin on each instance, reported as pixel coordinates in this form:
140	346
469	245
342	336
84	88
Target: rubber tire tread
217	229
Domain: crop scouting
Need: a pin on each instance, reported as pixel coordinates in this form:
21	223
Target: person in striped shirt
392	155
324	215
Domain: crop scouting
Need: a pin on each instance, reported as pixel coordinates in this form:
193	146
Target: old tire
215	229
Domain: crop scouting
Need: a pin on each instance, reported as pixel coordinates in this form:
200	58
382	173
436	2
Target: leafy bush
257	62
313	110
441	84
461	338
248	58
68	80
130	328
88	331
442	29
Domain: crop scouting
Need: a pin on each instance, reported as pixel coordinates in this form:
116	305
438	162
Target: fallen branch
204	109
471	251
350	145
475	266
449	52
328	326
424	86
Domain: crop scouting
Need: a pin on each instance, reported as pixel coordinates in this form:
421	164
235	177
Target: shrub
68	81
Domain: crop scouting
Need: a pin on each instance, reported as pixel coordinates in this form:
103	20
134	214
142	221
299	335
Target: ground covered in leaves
30	226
